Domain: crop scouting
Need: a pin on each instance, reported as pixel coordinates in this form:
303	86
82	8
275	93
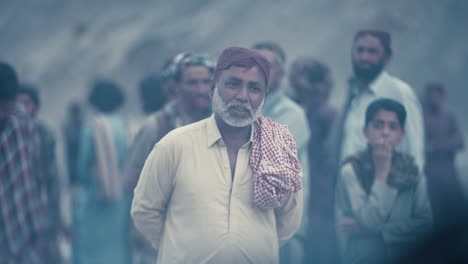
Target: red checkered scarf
274	163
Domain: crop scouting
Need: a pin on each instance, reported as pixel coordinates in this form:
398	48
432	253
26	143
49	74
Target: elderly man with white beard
226	189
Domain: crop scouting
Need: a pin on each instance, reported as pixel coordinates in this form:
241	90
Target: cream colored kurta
193	211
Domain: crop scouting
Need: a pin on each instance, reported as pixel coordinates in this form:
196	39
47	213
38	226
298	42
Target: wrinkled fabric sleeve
289	217
417	226
371	211
153	192
139	151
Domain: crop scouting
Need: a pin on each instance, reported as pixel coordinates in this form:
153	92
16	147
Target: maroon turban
242	57
383	36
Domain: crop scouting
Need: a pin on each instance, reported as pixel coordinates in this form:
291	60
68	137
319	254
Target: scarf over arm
274	162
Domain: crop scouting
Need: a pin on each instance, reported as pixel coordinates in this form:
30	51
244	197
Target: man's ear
212	89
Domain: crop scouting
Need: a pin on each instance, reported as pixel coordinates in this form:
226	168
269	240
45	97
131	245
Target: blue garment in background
100	228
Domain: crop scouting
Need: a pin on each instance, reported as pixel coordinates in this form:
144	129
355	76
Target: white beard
221	109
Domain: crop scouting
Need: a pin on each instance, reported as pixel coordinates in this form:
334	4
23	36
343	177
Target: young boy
382	207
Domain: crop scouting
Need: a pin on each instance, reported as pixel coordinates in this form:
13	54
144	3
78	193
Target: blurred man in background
24	217
101	201
168	71
193	79
192	75
28	98
152	94
280	108
443	141
311	81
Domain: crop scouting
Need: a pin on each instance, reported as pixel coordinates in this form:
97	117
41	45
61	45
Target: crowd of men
231	165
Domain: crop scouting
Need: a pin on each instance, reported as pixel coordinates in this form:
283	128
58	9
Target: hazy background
63	45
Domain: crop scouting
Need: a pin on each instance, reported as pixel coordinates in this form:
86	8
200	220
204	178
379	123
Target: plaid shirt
23	210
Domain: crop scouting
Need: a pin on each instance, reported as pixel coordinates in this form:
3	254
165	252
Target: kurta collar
373	88
213	134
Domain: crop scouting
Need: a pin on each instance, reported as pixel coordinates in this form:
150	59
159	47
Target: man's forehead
196	69
368	40
386	115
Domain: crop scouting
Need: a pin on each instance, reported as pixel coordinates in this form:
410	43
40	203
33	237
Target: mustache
242	106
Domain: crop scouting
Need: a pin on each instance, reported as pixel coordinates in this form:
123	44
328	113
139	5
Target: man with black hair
101	203
312	82
28	97
382	206
192	75
443	141
24	222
